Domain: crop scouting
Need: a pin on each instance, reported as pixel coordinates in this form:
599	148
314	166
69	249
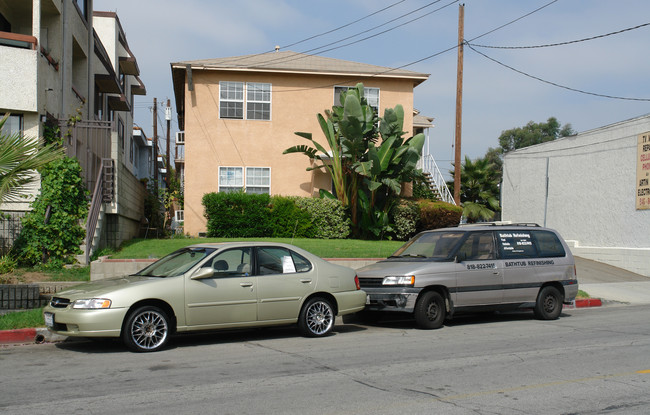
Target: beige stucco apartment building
240	113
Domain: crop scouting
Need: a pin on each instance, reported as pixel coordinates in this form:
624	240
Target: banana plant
368	159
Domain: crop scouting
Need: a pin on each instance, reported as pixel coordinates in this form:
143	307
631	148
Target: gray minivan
482	267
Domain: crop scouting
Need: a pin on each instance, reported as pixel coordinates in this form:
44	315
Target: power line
564	43
553	83
341	27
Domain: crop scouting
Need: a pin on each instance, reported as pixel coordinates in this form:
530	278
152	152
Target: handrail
18	40
95	207
429	166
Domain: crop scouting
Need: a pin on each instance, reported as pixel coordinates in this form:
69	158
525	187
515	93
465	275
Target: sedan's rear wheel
146	329
316	318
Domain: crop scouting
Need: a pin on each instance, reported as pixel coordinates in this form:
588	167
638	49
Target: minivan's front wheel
430	310
146	329
549	303
316	318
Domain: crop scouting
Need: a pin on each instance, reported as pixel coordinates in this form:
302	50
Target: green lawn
325	248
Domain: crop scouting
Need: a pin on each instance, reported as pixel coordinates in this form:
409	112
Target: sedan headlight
401	280
92	303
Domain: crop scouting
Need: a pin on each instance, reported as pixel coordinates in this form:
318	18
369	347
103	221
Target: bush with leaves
435	215
286	220
237	214
405	216
328	216
52	233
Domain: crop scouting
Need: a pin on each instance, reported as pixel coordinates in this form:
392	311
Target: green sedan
206	287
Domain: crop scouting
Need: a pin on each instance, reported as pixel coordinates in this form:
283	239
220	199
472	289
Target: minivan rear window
529	244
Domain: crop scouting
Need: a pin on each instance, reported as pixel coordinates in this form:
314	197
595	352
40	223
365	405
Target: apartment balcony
18	72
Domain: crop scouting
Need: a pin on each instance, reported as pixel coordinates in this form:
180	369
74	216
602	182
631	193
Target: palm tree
20	157
479	189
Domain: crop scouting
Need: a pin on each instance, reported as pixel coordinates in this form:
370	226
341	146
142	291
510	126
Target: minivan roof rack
501	223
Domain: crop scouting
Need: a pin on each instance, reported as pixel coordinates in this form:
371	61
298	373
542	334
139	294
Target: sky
495	97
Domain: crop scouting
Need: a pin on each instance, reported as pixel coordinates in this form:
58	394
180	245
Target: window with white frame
258	180
254	95
231	100
231	179
258	101
370	94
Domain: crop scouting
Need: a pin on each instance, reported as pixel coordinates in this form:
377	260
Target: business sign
643	172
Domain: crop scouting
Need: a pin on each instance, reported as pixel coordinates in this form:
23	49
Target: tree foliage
20	158
479	190
533	133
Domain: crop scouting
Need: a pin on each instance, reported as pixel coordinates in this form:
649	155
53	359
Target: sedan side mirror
203	273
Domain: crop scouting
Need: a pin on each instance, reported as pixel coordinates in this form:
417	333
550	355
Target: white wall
591	193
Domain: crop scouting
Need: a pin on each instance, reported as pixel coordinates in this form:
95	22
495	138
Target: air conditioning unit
180	137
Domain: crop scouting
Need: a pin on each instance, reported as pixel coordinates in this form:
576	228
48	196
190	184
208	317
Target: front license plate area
49	319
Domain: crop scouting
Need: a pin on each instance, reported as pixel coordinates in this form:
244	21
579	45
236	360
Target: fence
10	227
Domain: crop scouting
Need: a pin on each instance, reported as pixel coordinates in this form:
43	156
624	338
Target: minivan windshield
176	263
438	245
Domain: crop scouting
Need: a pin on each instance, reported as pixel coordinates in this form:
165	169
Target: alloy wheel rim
319	318
149	330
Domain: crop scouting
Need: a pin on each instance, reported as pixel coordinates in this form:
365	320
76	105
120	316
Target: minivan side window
516	244
548	244
478	246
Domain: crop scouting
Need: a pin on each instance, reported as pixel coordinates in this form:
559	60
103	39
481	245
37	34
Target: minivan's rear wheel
146	329
430	310
549	303
316	318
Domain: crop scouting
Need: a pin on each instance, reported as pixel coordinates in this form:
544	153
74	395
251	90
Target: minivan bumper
391	299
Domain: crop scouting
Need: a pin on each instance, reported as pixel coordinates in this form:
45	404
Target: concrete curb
43	335
33	335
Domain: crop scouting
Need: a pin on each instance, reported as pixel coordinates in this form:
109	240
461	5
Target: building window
258	101
231	100
13	125
371	95
83	7
256	96
231	179
258	180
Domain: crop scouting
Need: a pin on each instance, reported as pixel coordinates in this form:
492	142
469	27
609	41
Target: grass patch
582	294
324	248
22	319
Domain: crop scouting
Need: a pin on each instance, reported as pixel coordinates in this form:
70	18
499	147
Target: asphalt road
590	361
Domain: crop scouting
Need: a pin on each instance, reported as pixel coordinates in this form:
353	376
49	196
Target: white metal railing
428	165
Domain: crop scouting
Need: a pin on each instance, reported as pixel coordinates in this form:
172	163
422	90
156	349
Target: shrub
434	215
237	214
7	264
51	231
287	220
405	217
328	217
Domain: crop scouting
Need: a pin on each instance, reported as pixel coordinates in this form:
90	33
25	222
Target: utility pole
168	117
459	103
155	148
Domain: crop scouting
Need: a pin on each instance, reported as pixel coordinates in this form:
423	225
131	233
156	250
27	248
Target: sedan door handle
305	280
246	284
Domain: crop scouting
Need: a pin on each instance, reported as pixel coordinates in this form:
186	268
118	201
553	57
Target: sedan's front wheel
316	318
146	329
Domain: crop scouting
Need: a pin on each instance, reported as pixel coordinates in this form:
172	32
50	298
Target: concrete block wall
20	297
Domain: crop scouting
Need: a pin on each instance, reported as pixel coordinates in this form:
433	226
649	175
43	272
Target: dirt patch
28	277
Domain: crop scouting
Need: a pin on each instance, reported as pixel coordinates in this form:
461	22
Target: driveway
612	284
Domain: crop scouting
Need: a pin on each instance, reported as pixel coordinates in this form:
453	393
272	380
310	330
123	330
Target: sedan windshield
176	263
438	245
